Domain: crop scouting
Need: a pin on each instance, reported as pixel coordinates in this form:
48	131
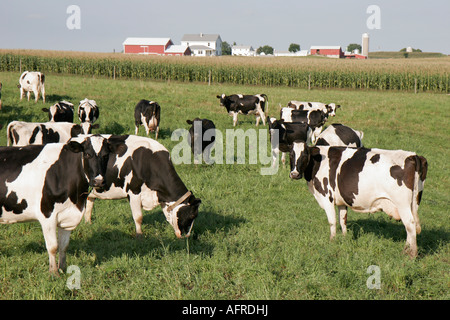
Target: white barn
247	51
203	44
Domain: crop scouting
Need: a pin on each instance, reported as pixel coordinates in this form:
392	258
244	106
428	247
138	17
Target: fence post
20	66
114	73
415	85
209	78
309	81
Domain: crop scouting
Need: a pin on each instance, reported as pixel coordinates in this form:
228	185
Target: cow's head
331	109
182	213
225	101
88	111
96	150
299	157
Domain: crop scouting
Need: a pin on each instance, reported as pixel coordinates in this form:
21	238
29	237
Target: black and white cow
329	109
147	113
366	180
287	133
201	136
32	81
88	113
146	176
245	104
60	112
314	118
20	133
338	135
50	184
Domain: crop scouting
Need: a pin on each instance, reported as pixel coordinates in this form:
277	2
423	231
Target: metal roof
200	37
146	41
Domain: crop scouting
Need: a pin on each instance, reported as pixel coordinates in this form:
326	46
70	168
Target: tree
294	47
353	46
265	49
226	49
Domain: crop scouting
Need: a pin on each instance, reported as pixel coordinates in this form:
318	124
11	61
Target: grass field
256	237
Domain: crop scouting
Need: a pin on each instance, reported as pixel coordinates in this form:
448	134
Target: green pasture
256	236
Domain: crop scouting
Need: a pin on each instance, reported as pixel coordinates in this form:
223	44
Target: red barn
328	51
146	45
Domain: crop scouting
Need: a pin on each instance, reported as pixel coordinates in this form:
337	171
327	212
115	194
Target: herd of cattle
36	185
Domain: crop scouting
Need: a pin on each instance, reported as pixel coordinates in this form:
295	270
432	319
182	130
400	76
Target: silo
365	44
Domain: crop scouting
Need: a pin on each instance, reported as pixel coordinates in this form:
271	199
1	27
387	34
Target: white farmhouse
203	44
247	51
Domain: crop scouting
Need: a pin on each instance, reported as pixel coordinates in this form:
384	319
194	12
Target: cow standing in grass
366	180
50	184
245	104
32	82
147	113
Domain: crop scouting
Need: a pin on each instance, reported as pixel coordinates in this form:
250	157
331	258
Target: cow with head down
145	175
245	104
32	81
60	112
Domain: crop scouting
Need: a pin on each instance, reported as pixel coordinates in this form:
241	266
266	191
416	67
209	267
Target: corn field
310	73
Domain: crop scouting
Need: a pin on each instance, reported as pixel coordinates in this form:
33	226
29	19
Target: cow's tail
9	134
419	180
42	78
265	100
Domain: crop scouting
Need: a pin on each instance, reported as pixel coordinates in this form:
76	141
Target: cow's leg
157	131
43	93
331	215
343	218
51	242
147	128
28	95
21	93
136	210
235	119
410	226
88	209
36	95
136	130
258	117
283	158
275	154
263	117
63	243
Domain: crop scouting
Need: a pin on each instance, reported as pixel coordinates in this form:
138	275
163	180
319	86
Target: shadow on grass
428	241
112	242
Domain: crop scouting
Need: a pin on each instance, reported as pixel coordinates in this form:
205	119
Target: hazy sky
104	25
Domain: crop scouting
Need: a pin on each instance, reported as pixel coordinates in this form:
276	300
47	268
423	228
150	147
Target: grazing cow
314	118
366	180
32	81
245	104
50	184
197	138
88	113
329	109
0	96
60	112
146	176
20	133
339	135
147	113
288	132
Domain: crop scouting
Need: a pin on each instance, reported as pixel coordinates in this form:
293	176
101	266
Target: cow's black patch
12	160
347	135
348	177
407	174
375	158
334	156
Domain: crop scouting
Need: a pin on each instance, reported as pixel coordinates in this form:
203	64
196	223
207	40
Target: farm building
156	46
327	51
247	51
203	44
